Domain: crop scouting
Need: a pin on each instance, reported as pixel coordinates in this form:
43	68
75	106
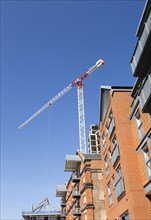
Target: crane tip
100	62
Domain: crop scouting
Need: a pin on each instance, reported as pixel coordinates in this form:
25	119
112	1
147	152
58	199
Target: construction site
112	167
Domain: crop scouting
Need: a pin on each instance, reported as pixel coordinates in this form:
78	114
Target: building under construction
42	212
82	197
43	215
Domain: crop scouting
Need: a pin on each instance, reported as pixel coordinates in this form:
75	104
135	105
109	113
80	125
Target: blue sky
45	45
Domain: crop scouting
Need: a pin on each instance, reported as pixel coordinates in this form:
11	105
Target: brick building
141	105
83	195
121	177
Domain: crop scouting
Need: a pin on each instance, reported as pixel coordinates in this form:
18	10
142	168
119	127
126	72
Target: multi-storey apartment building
83	195
141	105
121	174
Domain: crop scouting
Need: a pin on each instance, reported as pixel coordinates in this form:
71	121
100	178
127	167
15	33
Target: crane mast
81	115
79	82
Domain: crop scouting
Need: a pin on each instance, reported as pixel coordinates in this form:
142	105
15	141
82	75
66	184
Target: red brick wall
138	208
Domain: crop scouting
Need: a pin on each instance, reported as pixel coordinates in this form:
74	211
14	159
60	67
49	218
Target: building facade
121	174
83	195
141	105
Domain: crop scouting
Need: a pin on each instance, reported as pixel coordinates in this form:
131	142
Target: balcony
145	95
72	163
111	128
115	155
140	61
76	211
75	193
61	191
63	201
119	187
75	176
63	213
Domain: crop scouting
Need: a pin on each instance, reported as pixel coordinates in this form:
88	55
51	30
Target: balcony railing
63	201
63	213
75	193
76	177
76	210
145	95
141	44
115	155
119	187
111	127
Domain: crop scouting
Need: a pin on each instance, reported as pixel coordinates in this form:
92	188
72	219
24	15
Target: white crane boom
79	83
40	206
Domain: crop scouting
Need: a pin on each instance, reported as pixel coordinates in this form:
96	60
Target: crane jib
84	75
78	82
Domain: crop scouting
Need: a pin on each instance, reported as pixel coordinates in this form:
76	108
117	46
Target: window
149	116
109	193
125	216
113	181
147	160
110	156
115	153
111	116
119	186
104	142
114	141
139	124
119	172
106	166
107	128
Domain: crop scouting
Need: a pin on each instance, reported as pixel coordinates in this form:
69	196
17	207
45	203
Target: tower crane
79	82
41	205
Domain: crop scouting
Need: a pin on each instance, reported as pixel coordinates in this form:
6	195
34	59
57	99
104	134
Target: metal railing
75	192
76	176
76	210
141	43
145	91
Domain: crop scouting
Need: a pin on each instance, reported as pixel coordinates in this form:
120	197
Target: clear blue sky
45	45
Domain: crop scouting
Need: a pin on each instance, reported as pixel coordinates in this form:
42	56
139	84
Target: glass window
119	173
111	115
107	128
109	193
147	159
106	165
104	142
113	181
114	141
139	124
125	216
110	156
